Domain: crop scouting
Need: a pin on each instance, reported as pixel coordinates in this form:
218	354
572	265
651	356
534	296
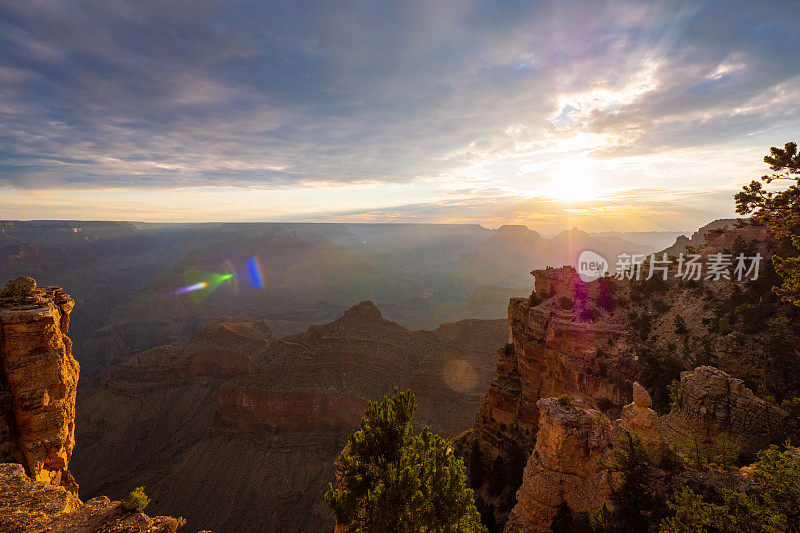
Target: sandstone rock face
551	352
38	380
713	402
564	466
28	506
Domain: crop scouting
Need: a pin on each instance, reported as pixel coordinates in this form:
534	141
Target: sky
601	115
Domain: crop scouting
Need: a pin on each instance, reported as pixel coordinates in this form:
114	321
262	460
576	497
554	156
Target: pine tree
781	212
393	480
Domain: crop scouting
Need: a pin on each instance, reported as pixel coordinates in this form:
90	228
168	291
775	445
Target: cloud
283	94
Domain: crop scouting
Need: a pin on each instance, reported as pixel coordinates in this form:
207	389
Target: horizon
647	116
376	223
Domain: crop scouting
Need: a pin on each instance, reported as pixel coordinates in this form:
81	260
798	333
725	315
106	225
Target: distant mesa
365	310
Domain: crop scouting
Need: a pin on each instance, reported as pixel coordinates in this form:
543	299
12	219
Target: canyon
236	426
232	425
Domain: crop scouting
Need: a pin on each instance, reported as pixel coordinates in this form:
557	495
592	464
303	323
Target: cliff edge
38	381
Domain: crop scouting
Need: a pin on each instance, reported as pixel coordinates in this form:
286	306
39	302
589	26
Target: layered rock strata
38	381
569	462
551	351
712	403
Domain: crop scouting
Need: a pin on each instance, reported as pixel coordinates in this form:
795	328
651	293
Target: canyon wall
551	351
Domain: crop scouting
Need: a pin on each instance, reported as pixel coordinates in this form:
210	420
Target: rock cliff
551	351
712	403
564	467
571	461
38	381
593	340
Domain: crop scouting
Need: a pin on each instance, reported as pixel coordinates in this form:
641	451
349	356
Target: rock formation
551	352
38	381
640	419
569	462
712	403
564	467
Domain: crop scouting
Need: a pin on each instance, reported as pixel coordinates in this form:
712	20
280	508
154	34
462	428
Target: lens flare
190	288
209	280
254	270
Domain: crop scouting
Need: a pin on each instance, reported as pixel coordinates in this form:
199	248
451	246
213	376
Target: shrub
136	500
772	506
565	399
635	497
174	524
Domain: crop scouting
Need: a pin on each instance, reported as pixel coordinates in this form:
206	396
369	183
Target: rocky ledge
37	507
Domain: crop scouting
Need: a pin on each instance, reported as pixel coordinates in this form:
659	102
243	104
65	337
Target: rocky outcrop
638	418
37	395
712	403
29	506
569	464
552	351
38	381
565	465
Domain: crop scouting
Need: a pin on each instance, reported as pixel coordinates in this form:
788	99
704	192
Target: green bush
565	399
136	500
174	524
772	506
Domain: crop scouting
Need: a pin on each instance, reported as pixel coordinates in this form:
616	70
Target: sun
576	185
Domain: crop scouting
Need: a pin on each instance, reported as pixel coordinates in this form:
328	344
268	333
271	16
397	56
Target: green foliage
565	399
724	451
565	303
21	289
136	500
396	481
566	521
174	524
781	212
634	499
772	506
693	449
658	371
675	390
